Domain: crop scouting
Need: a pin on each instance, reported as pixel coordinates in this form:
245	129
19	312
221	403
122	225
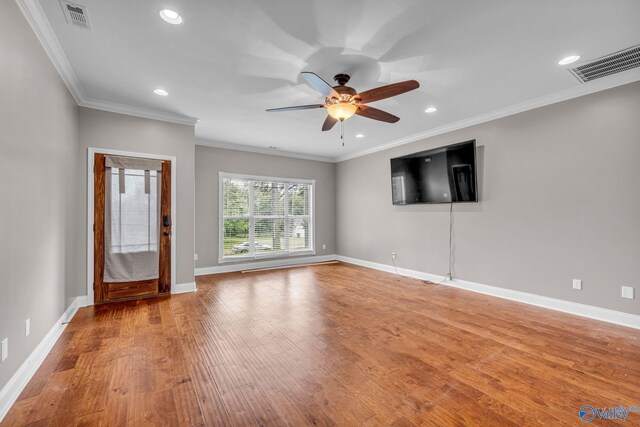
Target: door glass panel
134	218
132	225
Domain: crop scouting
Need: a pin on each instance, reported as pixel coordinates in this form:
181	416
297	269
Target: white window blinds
265	217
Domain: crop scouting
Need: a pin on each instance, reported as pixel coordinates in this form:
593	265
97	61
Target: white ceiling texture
230	60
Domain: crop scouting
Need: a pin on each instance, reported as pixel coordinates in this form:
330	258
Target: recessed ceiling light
569	60
170	16
431	110
360	135
160	92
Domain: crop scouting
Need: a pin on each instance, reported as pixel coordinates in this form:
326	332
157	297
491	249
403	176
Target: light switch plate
577	284
27	327
5	349
627	292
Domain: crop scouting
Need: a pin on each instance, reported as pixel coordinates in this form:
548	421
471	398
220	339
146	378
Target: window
265	217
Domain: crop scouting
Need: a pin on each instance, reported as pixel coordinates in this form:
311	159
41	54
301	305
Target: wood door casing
98	227
108	292
164	270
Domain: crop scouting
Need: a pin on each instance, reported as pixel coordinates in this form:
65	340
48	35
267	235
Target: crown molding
130	110
239	147
35	16
39	23
626	77
605	83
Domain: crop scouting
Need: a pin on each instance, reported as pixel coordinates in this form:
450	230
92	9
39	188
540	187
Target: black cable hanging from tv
449	275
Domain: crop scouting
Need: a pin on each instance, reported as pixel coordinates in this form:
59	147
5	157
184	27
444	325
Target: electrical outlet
393	255
27	327
627	292
577	284
324	246
195	257
5	349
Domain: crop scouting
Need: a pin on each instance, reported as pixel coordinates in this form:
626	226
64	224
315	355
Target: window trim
256	256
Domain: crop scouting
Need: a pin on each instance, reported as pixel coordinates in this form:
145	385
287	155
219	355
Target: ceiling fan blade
297	107
320	85
387	91
375	114
329	123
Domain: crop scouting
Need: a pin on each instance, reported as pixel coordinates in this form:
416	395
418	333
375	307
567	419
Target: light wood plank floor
329	345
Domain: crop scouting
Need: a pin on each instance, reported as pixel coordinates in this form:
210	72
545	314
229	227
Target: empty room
319	213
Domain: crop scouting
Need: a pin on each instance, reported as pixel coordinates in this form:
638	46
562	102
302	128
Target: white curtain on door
132	223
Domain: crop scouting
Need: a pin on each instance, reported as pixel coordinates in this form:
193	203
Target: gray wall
559	200
210	161
102	129
41	215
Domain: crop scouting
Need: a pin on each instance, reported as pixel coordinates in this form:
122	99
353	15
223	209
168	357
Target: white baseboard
10	392
183	288
228	268
592	312
78	302
391	269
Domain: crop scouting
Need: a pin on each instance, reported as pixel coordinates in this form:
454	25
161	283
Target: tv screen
442	175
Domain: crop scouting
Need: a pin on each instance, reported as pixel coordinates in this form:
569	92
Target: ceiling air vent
607	65
76	14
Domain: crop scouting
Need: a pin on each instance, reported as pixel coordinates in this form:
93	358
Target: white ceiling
230	60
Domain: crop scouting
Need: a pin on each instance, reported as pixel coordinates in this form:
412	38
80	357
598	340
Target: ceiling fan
343	101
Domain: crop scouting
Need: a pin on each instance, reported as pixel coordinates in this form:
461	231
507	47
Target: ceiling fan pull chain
342	131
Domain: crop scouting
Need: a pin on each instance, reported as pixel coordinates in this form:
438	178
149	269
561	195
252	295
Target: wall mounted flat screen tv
442	175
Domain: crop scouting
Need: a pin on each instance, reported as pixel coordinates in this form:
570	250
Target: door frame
91	151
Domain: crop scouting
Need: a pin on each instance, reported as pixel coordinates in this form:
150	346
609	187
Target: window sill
265	257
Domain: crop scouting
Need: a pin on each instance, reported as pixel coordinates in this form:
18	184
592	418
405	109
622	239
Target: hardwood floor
329	345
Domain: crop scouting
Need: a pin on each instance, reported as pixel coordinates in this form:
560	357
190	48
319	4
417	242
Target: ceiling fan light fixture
341	110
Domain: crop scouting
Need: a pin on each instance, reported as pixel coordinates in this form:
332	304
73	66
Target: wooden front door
105	291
